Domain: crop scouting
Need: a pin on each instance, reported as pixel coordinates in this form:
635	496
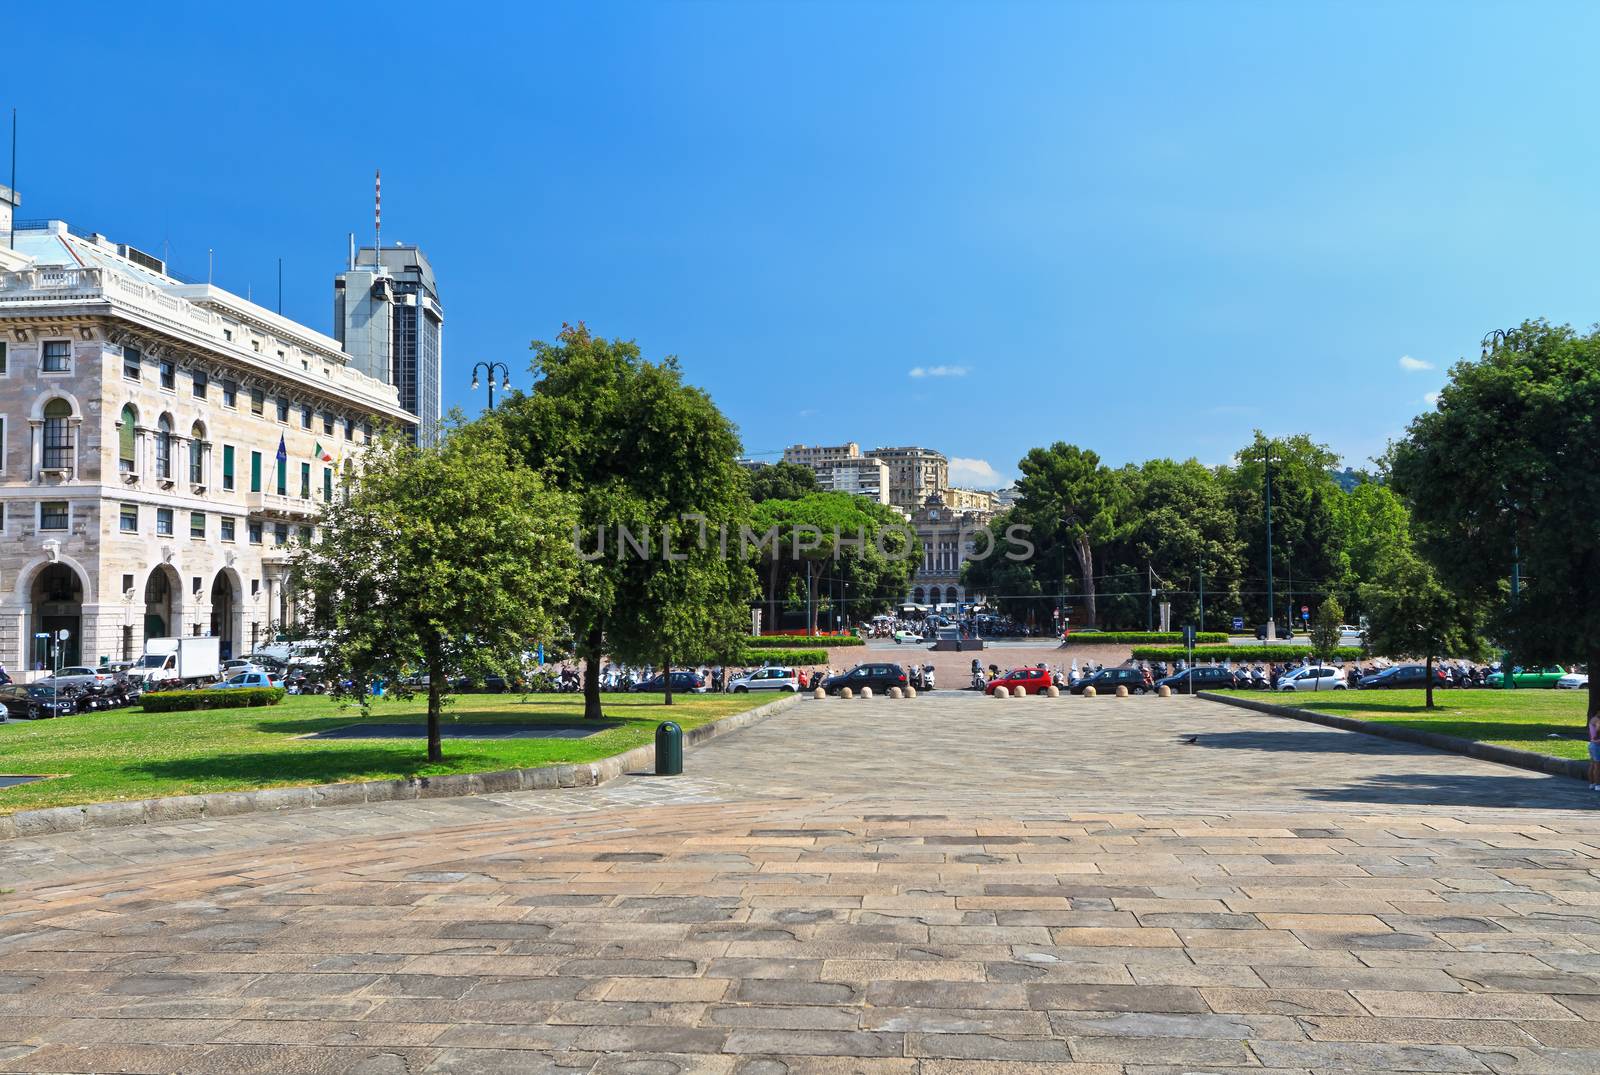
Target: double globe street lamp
490	368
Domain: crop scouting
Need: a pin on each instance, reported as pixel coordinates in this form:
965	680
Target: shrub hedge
1140	637
176	701
789	641
1274	654
784	656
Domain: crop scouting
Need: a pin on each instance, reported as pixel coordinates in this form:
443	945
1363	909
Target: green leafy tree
782	481
444	559
1376	522
796	544
1067	495
1325	629
1411	613
1308	540
1014	586
650	460
1501	471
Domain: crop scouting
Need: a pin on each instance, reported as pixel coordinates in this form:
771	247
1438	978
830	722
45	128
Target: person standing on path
1594	750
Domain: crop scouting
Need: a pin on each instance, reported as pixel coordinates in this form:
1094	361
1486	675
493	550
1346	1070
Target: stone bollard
1001	692
846	693
1053	692
1164	692
819	693
894	692
911	692
866	692
1089	692
1122	692
1020	692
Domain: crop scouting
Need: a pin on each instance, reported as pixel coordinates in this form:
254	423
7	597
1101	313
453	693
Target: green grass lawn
1524	719
130	754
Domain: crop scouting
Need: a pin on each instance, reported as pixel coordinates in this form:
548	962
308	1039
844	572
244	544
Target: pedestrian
1594	751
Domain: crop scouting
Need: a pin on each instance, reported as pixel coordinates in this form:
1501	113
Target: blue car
249	679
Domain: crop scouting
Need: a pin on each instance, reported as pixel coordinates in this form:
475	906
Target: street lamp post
489	368
1272	616
1492	342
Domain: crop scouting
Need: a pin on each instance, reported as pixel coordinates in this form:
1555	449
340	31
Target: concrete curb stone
123	814
1521	759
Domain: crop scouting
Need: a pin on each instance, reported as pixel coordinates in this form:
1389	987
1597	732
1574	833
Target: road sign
1238	623
1188	634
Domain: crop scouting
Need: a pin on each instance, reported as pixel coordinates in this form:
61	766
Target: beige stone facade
140	422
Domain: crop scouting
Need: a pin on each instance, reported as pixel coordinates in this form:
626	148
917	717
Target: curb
1521	759
121	814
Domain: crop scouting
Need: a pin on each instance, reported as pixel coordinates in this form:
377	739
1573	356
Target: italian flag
322	453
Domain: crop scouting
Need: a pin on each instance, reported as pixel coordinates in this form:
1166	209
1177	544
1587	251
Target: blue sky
1144	228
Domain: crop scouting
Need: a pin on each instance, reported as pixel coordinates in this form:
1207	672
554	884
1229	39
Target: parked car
1022	681
1107	680
880	677
1208	678
1572	681
250	678
1313	678
78	675
682	683
1528	677
1413	676
1285	630
906	636
765	679
1350	635
31	701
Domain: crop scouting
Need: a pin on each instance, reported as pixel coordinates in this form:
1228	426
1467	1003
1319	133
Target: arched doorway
57	599
160	609
225	613
950	594
916	596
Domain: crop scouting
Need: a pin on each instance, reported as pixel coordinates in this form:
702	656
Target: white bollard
1122	692
866	692
1053	692
1001	692
846	693
819	693
1089	692
1164	692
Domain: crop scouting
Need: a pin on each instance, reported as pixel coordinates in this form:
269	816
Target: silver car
77	675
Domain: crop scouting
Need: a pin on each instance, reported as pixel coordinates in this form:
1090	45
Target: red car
1023	680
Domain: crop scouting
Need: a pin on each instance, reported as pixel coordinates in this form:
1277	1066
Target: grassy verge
1524	719
130	754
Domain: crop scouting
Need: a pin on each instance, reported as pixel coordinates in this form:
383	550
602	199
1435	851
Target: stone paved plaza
930	887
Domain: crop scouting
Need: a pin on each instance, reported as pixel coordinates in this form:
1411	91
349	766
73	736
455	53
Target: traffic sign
1188	634
1238	623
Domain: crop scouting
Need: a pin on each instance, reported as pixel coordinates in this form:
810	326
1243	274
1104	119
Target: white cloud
975	473
1431	398
1414	365
939	371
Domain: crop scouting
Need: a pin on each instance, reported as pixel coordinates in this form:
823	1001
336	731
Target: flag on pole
322	453
283	451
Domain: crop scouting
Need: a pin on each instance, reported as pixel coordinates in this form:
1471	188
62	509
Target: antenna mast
377	217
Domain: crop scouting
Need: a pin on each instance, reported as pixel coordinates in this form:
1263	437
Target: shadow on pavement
1437	789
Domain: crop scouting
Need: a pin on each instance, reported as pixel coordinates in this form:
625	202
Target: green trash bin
669	749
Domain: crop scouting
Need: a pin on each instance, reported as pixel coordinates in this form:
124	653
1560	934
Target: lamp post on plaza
489	368
1505	337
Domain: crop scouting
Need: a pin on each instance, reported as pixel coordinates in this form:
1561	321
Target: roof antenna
377	217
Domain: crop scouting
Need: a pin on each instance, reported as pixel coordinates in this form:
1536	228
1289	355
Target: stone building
947	542
162	445
862	477
914	474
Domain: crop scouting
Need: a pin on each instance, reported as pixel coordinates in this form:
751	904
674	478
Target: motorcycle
927	677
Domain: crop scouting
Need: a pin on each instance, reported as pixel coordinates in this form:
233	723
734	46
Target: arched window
197	453
916	596
164	448
950	594
127	440
57	435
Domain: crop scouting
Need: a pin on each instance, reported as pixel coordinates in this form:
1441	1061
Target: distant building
862	477
914	474
388	318
821	455
947	542
984	500
1348	478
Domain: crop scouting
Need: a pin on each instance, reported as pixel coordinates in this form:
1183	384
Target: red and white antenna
377	216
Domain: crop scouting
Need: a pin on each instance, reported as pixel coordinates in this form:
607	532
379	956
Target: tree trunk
771	626
1085	553
435	675
812	578
1429	674
591	675
666	677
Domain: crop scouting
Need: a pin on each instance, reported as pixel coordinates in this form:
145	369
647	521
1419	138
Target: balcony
275	506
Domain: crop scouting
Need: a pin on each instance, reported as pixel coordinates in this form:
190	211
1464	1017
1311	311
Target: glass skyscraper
387	316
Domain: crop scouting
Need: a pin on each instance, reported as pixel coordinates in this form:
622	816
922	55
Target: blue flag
283	451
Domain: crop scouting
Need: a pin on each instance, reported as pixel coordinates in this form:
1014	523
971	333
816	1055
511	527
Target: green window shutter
255	472
327	483
305	481
227	462
283	479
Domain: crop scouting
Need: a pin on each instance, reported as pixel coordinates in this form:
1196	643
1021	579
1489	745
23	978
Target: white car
771	678
1349	636
1314	678
1573	681
906	636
